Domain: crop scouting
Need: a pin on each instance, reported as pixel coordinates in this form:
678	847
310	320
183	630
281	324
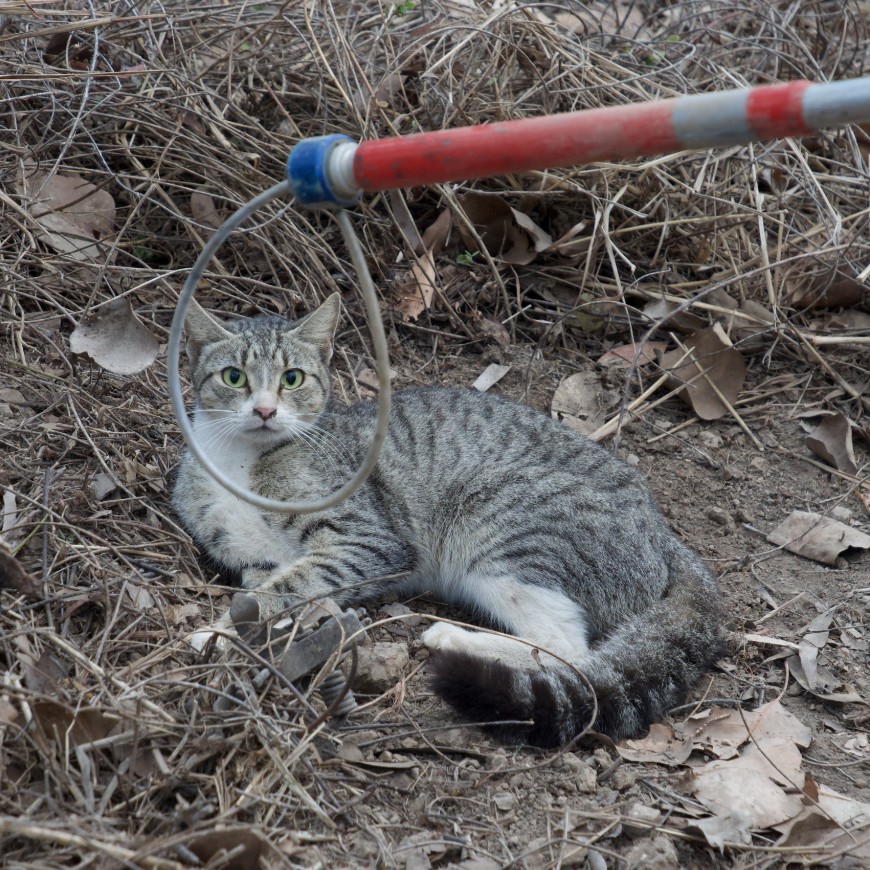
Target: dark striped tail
638	673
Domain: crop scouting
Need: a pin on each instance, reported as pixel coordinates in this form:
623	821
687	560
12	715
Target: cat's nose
266	413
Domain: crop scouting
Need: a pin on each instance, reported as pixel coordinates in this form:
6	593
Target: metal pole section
620	132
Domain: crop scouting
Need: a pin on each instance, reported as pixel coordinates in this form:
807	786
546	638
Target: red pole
594	135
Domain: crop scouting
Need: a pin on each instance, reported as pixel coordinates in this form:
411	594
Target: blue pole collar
308	171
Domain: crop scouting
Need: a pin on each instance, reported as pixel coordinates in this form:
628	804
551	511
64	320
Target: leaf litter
223	768
115	339
755	780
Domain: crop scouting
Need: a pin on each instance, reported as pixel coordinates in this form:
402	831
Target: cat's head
262	379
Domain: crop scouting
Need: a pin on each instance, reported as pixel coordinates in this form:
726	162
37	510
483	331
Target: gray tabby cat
483	502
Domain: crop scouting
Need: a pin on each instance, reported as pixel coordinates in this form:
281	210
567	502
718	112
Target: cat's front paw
444	637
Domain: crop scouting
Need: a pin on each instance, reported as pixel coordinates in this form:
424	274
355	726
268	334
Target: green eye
235	378
292	379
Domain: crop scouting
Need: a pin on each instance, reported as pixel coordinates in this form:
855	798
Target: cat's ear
202	329
318	328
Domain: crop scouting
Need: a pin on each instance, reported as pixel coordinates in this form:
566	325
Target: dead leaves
711	371
76	217
819	538
506	233
824	284
490	376
810	661
815	637
752	780
13	576
577	402
416	294
832	441
115	339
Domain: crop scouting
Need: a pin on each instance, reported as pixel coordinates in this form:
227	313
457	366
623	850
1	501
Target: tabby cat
485	503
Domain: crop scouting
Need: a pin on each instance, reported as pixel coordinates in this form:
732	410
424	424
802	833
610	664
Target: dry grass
117	746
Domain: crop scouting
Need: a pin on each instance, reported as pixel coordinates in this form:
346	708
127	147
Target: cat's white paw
444	637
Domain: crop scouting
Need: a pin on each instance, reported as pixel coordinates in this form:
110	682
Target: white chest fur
236	532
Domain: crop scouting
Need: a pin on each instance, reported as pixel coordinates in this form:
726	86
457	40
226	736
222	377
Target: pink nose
266	413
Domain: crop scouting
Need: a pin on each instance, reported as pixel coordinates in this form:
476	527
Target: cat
483	502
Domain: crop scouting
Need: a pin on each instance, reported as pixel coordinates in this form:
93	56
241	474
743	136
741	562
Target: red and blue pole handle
334	170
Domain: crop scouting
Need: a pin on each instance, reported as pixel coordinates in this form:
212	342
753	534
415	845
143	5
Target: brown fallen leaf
826	682
619	17
824	285
722	830
415	296
42	675
404	221
115	339
847	319
664	313
203	210
714	370
814	638
760	787
141	598
633	354
717	732
816	537
571	245
738	790
8	711
179	613
577	402
492	329
752	336
13	576
244	844
660	746
835	825
507	234
102	485
381	95
722	731
832	441
435	236
71	727
77	218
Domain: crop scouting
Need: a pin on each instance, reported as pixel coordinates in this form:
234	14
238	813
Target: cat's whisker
337	452
219	436
324	438
335	460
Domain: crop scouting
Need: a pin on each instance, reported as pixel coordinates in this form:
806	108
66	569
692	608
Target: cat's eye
233	377
292	379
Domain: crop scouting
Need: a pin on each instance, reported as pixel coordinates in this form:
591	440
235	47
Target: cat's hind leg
546	617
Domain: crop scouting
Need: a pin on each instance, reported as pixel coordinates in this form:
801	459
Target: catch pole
336	170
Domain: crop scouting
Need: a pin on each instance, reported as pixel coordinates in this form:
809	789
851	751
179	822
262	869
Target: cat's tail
639	672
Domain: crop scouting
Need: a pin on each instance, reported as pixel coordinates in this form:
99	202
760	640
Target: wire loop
379	341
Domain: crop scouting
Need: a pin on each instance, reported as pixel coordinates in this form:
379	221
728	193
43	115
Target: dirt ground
120	746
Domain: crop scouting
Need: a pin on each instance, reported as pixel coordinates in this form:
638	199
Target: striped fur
485	503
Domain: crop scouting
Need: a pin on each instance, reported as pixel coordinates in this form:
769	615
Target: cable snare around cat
483	502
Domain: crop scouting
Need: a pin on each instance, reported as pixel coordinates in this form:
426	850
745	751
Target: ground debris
133	136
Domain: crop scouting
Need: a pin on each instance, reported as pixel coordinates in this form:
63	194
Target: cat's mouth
263	428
